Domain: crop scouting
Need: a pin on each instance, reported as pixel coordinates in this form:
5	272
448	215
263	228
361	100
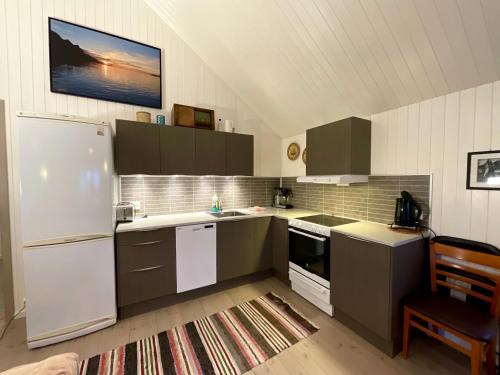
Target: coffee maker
408	212
282	197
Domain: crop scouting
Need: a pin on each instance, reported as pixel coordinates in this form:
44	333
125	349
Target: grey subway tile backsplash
160	195
374	201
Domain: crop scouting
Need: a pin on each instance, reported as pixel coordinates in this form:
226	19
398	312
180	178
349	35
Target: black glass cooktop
327	220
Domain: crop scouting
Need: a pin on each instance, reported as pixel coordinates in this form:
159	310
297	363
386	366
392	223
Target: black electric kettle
408	212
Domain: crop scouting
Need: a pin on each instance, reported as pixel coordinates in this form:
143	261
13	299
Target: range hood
341	180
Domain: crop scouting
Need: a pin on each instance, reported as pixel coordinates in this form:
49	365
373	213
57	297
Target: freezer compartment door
66	179
69	287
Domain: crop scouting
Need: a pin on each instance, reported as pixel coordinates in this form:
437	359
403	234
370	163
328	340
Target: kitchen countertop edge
193	218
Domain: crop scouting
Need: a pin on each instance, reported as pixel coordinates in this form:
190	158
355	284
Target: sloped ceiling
302	63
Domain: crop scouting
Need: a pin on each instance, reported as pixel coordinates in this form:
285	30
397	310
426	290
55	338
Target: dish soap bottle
215	203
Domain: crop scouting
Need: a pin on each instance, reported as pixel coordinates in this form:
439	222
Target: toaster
125	212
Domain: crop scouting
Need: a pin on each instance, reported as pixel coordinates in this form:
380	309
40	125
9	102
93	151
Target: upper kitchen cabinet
137	148
341	147
239	154
177	149
210	152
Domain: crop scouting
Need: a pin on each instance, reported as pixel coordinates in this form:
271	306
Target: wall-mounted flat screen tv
94	64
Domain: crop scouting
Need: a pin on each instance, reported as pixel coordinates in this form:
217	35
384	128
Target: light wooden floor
333	350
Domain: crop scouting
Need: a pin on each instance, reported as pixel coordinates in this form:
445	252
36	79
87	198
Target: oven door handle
322	239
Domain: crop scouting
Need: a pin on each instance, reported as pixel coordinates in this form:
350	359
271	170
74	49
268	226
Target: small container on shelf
143	116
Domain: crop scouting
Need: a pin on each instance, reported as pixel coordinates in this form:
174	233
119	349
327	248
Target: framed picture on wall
94	64
483	170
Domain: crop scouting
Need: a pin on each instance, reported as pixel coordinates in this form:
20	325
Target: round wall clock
293	151
304	156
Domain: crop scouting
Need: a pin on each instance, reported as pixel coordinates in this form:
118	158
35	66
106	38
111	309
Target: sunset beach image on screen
95	64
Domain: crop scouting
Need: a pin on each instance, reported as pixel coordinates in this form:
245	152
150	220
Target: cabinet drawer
144	284
142	255
139	237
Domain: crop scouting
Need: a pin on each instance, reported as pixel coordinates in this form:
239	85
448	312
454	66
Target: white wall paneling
25	82
440	132
301	64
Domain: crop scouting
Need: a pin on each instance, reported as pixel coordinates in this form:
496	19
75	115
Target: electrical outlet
137	205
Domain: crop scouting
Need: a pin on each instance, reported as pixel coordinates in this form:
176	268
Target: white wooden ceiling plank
334	55
439	41
491	13
357	65
310	84
290	42
330	82
401	35
421	43
362	22
392	49
450	18
479	42
351	32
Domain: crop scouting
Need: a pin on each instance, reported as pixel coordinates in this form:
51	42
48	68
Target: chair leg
491	357
476	358
406	332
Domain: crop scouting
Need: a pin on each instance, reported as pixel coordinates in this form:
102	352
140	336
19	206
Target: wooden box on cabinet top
369	281
193	117
145	265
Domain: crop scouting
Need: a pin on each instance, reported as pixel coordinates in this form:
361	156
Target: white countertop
376	232
174	220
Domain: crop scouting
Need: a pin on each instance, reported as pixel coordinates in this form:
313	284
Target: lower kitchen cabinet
279	228
243	247
145	265
369	281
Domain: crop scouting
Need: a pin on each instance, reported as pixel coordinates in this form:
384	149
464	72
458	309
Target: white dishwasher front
196	256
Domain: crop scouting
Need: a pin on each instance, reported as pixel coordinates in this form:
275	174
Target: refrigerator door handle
67	240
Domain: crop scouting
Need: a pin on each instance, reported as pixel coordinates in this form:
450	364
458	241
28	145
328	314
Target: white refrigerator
65	167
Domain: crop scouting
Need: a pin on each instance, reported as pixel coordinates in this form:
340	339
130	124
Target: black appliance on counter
408	212
282	197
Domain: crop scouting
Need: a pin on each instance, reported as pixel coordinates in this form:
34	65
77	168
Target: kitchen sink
227	214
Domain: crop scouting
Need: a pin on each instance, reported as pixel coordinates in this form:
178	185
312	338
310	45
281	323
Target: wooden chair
475	320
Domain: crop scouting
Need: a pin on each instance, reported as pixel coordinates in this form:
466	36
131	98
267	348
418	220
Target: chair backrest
452	266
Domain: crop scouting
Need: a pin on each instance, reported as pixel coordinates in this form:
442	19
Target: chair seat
464	317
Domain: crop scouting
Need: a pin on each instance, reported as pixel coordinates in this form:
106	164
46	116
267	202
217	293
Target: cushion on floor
467	318
62	364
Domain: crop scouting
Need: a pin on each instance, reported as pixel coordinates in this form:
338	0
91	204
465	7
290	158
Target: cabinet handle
147	243
357	238
147	269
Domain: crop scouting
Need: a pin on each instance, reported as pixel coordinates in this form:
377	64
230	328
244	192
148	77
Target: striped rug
229	342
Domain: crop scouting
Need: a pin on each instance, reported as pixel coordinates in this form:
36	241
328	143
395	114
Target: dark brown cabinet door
239	154
361	279
145	265
235	246
210	152
137	148
177	149
341	147
263	251
279	229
